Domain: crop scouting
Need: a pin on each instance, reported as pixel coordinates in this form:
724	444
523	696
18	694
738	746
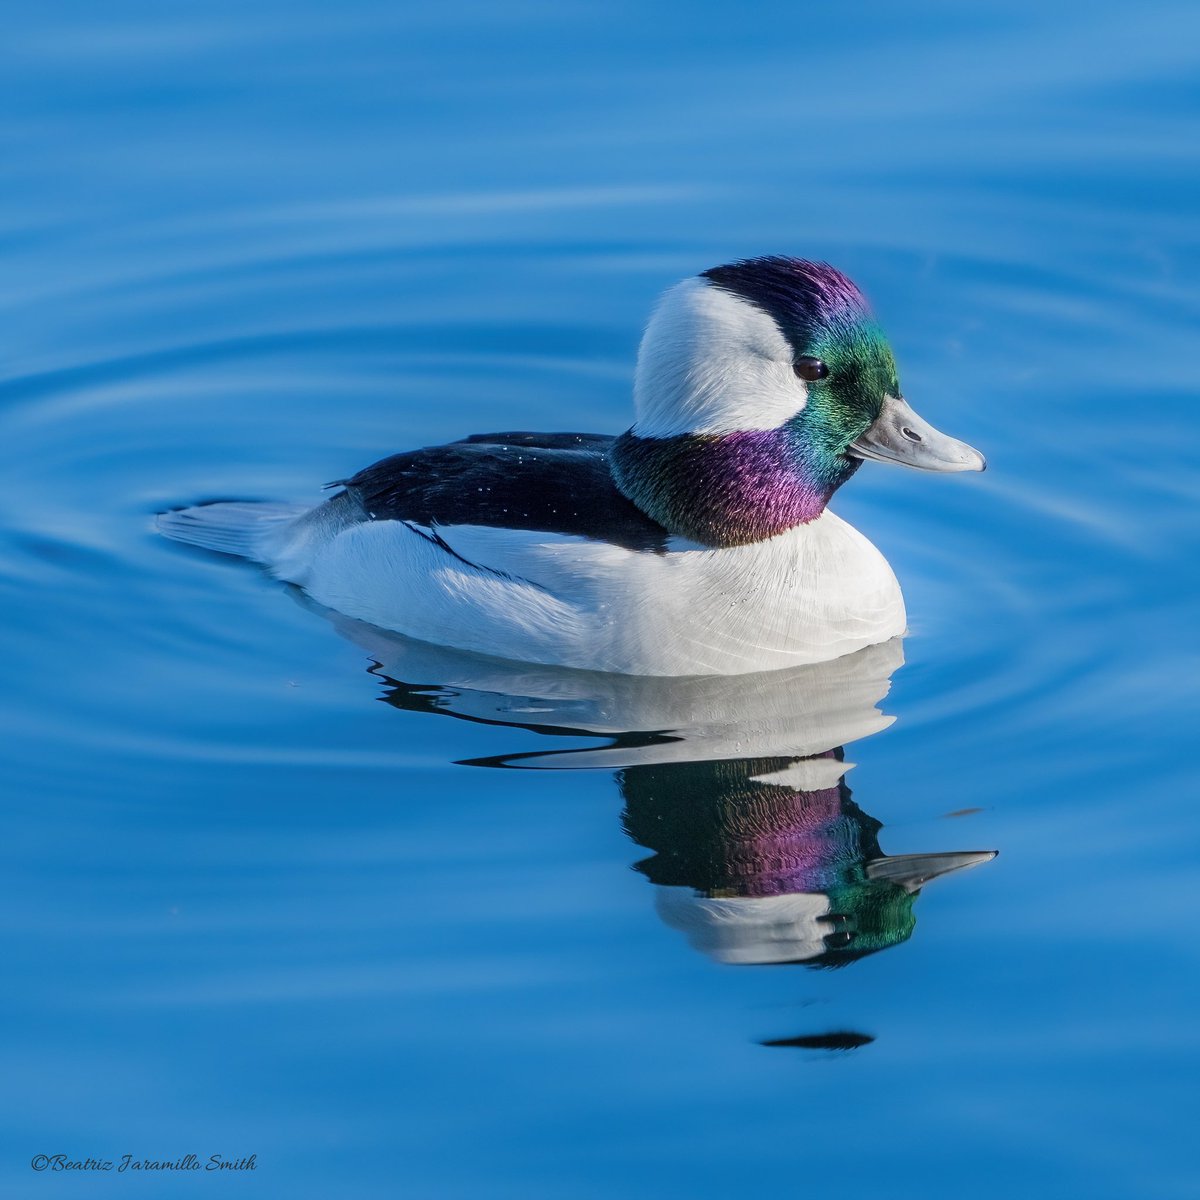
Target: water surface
398	925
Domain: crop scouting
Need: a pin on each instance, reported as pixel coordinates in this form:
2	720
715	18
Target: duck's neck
727	489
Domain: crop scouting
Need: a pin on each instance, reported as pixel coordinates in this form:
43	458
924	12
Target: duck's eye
810	369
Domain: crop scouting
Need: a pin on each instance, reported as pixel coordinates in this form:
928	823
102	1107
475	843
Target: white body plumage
816	592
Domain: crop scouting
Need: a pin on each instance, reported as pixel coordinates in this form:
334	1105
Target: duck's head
760	388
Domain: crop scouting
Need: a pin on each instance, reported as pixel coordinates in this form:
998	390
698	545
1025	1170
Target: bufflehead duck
699	542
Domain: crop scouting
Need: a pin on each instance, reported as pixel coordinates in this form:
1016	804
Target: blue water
265	893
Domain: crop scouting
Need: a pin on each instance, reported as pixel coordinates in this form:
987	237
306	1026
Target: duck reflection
771	861
736	783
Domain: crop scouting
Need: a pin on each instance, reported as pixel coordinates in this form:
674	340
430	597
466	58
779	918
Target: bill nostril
911	434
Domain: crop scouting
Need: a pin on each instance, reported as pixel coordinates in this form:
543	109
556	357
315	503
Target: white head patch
711	362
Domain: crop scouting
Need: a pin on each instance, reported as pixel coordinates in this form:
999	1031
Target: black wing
552	483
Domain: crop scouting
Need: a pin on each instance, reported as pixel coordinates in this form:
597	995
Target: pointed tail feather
244	528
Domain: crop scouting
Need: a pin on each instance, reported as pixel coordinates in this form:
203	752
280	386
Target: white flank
713	363
812	594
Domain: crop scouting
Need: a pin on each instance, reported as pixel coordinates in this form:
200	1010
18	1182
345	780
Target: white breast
814	593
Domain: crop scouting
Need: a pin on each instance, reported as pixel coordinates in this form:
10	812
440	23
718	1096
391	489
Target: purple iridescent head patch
805	298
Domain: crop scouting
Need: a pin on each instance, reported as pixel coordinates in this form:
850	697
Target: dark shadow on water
842	1039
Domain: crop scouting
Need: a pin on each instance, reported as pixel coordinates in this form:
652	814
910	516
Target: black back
549	482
